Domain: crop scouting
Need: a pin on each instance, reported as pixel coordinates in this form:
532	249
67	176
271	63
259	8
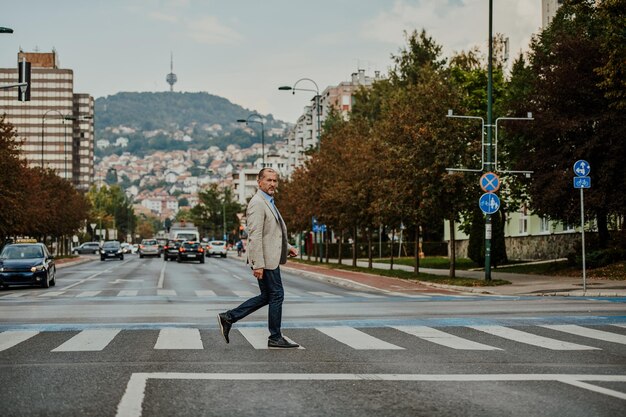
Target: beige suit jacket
267	235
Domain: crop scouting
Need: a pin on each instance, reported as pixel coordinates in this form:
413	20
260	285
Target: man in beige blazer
267	249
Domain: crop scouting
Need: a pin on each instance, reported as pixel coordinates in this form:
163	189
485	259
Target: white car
216	247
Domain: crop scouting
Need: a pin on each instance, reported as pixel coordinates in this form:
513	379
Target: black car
27	264
112	249
170	250
190	251
87	247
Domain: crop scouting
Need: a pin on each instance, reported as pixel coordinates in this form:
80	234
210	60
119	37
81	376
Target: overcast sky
244	50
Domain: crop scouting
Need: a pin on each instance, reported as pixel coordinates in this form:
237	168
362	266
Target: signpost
489	203
489	182
582	181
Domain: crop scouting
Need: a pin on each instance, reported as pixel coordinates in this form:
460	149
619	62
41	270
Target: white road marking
88	294
257	337
52	293
530	339
179	338
131	403
366	295
162	276
356	339
11	338
244	293
88	341
169	293
127	293
15	295
237	276
325	294
86	279
291	295
443	338
623	326
205	293
590	333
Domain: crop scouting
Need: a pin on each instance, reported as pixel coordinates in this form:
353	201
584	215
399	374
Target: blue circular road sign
490	182
489	203
582	168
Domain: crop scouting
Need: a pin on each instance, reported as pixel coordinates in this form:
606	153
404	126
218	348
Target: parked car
87	247
111	249
170	250
190	251
149	247
27	264
216	247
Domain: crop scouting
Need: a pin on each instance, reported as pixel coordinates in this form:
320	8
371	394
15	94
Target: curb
74	262
342	282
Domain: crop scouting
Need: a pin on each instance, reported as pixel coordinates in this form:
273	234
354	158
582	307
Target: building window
544	226
523	221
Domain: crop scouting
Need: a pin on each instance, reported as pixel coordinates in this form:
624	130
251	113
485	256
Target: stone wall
540	247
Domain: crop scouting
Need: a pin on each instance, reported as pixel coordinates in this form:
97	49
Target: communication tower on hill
171	77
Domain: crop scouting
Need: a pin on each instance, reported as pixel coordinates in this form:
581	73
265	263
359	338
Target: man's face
269	182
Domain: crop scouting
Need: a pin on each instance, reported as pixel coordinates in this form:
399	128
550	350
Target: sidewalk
521	284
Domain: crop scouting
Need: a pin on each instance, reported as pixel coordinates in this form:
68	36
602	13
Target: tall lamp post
259	121
318	108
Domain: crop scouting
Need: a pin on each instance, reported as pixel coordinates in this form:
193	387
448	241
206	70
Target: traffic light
23	70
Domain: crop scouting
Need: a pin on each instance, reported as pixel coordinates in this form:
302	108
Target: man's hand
293	252
258	273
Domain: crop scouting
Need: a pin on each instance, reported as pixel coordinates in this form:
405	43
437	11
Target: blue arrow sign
489	203
582	168
490	182
582	182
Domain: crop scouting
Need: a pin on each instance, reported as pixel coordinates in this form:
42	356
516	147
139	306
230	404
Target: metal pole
582	227
43	119
263	143
489	141
319	123
65	148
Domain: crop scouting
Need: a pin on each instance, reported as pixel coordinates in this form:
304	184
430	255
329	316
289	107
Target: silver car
149	247
216	247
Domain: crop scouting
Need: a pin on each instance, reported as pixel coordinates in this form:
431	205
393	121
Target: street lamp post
259	121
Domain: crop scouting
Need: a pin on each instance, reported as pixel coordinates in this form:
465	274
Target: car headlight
37	268
119	251
1	269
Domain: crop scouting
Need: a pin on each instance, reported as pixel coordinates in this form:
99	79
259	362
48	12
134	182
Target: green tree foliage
215	207
575	103
111	208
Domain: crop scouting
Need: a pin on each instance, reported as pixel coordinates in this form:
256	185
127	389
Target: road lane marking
237	276
257	337
442	338
15	295
530	339
132	401
127	293
88	294
205	293
86	279
587	332
356	339
244	293
325	294
169	293
52	293
162	276
291	295
11	338
90	340
178	339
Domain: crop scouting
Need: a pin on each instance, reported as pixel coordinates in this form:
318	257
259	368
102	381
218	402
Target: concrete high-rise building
57	124
548	11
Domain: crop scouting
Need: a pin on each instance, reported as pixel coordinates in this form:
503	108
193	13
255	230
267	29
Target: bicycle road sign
489	203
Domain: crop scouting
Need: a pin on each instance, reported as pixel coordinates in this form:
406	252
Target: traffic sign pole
582	227
582	181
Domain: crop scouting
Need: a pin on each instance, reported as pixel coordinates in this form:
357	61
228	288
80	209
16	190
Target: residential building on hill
56	125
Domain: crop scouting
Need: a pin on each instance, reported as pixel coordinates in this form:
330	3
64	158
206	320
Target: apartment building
57	124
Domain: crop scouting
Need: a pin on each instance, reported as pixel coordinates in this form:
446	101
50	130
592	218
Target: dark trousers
272	295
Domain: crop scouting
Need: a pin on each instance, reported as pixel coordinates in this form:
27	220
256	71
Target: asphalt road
139	338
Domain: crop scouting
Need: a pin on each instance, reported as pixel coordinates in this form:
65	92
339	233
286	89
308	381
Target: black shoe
281	343
225	325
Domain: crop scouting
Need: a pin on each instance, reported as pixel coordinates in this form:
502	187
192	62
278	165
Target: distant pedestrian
267	249
239	247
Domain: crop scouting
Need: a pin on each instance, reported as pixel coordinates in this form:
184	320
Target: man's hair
259	177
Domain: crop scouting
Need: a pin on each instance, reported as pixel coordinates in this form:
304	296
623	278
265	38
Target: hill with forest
161	121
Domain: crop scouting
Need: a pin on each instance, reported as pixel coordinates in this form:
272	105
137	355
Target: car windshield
217	243
89	245
173	243
22	252
149	242
191	245
111	245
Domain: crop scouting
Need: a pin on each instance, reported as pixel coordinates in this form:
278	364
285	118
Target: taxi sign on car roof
26	241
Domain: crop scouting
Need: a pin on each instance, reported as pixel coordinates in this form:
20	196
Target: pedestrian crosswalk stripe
291	295
205	293
243	293
325	294
52	293
620	325
88	341
587	332
88	293
257	337
15	295
442	338
179	338
127	293
166	292
530	339
357	339
11	338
